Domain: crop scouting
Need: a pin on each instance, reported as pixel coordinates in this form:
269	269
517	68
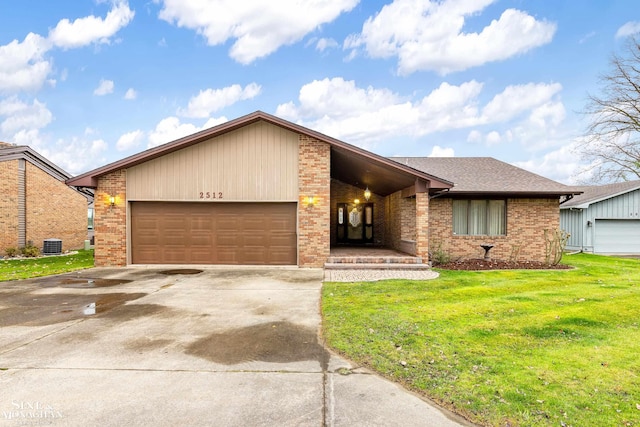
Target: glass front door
355	222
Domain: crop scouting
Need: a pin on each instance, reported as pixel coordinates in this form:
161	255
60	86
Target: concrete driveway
217	347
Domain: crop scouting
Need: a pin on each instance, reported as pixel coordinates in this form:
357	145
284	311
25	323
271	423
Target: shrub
439	255
30	251
11	252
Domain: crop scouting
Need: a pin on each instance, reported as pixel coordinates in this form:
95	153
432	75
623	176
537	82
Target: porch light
356	201
112	200
367	194
311	200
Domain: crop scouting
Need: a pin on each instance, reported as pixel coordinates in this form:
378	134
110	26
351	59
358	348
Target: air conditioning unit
52	247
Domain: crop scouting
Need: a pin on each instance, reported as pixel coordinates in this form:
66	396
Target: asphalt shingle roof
596	193
485	175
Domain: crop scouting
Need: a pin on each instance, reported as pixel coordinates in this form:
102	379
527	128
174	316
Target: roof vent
52	247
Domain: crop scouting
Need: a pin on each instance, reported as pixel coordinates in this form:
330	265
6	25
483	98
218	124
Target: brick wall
526	221
401	222
53	210
110	223
345	193
422	225
8	205
314	178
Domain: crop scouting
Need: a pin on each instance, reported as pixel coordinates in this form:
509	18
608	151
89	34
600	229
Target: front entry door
355	222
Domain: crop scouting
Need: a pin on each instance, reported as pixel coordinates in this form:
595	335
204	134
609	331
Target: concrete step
375	266
374	260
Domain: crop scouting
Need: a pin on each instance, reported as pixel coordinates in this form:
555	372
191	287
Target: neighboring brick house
36	204
262	190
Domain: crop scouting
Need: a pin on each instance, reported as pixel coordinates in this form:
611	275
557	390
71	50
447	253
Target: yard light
367	194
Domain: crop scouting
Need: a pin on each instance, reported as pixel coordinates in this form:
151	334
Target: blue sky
86	83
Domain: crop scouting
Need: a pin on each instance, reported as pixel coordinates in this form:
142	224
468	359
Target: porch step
404	260
375	266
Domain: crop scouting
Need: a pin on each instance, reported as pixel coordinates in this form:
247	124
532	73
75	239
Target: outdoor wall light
356	201
311	201
112	201
589	223
367	194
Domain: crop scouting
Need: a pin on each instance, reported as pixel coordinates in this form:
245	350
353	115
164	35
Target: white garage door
617	236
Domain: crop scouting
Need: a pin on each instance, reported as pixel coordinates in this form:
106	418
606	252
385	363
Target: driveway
221	347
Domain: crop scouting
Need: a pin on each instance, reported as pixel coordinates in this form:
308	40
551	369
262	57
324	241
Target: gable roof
15	152
347	157
488	176
597	193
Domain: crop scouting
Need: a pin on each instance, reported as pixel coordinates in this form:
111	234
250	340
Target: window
479	217
90	218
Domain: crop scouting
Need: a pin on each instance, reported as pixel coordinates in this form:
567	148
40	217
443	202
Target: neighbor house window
479	217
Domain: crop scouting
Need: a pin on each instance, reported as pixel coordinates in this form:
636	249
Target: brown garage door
213	233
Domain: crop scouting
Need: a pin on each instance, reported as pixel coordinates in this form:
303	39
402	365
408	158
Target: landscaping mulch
496	264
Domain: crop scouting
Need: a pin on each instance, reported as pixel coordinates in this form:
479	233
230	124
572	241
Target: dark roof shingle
595	193
486	175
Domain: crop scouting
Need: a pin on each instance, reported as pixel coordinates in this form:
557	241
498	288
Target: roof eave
89	179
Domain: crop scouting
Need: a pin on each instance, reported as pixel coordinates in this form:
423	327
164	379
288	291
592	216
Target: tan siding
258	162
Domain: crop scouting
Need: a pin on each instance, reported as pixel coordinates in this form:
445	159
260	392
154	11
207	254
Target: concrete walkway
367	275
220	347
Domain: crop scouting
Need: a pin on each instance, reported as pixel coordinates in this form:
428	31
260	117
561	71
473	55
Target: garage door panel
213	233
617	236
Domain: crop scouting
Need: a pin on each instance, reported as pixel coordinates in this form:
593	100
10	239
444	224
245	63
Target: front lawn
504	348
12	269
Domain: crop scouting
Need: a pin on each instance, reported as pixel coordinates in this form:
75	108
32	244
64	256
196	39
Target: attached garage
213	233
617	236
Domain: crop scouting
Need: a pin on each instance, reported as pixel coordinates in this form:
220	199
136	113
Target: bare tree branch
611	143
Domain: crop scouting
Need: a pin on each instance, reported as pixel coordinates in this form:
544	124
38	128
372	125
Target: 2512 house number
210	195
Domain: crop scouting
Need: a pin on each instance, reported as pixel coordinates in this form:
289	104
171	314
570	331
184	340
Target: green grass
518	348
13	269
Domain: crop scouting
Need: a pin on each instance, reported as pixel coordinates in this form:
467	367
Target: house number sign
211	195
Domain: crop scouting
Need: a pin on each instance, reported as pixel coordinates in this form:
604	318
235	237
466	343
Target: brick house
262	190
36	203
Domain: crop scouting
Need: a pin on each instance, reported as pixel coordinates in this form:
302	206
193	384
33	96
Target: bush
439	256
30	251
11	252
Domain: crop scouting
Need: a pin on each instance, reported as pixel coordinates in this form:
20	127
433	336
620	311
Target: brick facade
8	205
422	225
526	221
401	223
53	210
345	193
110	223
314	179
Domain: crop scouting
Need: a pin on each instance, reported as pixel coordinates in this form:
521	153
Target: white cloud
258	28
91	29
493	138
474	136
131	94
438	151
549	114
104	88
326	43
170	128
23	116
429	35
339	108
628	29
129	140
22	64
561	165
74	155
517	99
212	100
